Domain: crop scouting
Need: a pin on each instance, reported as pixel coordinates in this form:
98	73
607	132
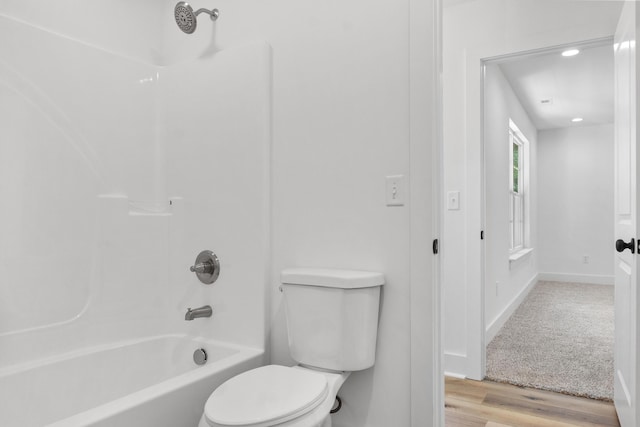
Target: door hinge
481	234
435	247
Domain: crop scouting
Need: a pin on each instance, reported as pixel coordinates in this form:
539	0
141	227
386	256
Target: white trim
517	257
449	374
516	130
518	224
592	279
522	253
494	327
455	365
475	183
425	163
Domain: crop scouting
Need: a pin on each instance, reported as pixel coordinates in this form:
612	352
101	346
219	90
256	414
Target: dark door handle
621	245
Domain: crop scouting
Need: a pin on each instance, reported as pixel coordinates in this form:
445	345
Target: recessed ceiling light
570	52
576	119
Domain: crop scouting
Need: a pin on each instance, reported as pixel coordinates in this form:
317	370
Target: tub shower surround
111	173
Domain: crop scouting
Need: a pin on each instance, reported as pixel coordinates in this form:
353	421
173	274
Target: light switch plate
396	190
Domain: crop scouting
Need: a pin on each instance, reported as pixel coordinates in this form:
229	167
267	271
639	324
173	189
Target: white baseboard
593	279
452	375
455	365
498	323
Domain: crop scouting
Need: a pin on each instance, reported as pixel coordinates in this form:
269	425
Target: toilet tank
332	316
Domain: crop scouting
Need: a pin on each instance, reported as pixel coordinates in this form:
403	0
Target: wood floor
487	404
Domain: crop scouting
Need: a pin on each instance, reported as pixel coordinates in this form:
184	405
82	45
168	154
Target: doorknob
621	245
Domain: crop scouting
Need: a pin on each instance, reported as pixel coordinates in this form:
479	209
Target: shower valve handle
206	267
202	267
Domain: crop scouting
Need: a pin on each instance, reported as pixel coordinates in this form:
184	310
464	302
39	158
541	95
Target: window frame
517	196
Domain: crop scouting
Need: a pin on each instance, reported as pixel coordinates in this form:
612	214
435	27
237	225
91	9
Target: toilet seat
266	396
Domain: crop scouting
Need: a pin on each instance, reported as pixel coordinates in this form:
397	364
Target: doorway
548	156
473	31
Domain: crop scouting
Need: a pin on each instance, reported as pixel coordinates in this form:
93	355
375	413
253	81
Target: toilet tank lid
331	278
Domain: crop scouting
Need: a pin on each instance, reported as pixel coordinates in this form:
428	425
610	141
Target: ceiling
577	86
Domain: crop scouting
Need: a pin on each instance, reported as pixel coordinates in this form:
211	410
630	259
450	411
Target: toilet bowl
274	395
332	325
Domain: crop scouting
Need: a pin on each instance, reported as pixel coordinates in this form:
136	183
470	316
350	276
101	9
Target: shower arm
214	13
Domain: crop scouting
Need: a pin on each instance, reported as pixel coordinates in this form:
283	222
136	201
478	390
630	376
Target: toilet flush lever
206	267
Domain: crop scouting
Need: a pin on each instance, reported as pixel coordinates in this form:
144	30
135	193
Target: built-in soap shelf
142	208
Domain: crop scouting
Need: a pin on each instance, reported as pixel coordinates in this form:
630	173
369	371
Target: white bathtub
148	382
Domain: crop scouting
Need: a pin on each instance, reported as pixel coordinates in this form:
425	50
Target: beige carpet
559	339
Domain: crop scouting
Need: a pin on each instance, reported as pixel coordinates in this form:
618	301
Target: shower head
186	18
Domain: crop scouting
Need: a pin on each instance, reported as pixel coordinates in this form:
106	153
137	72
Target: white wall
218	141
472	31
340	125
505	281
576	182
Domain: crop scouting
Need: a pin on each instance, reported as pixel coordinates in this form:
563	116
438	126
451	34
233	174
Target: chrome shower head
186	18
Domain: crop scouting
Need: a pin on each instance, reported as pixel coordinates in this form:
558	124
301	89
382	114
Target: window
517	150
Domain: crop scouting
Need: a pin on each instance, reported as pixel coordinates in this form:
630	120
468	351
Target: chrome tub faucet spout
205	311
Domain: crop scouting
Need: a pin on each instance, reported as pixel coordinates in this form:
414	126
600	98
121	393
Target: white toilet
332	322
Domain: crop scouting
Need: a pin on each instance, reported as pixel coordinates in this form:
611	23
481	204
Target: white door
626	211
